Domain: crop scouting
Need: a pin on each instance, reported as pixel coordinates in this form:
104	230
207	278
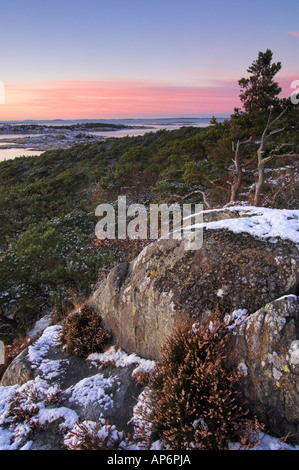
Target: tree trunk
259	184
261	166
236	184
260	154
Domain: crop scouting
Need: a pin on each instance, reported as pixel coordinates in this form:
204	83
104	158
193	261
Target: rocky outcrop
47	360
245	264
248	261
83	390
18	372
141	301
266	349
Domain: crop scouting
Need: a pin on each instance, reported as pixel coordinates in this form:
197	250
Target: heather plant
193	400
23	414
142	378
83	333
99	435
27	401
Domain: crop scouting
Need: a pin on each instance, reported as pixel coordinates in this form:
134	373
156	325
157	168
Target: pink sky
295	34
114	59
96	99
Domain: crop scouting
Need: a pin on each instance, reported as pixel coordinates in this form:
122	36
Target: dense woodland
50	257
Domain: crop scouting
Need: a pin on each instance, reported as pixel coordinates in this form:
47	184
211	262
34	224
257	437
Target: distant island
52	137
39	128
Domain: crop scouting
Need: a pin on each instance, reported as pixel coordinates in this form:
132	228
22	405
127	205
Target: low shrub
27	401
193	400
91	435
142	378
83	333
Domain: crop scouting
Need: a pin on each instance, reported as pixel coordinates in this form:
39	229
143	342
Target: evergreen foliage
47	203
259	91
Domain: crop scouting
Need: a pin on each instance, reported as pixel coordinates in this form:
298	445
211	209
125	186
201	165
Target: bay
148	125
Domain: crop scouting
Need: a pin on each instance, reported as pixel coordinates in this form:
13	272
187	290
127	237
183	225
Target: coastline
26	138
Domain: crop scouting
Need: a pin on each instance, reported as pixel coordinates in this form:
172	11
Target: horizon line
116	118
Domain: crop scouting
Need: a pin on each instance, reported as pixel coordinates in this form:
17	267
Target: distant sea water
150	125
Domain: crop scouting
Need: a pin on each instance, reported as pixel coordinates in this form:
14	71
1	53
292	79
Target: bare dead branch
261	150
197	191
276	131
235	185
285	155
278	117
248	163
6	320
265	160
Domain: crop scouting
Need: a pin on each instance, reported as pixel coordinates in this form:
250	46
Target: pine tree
259	92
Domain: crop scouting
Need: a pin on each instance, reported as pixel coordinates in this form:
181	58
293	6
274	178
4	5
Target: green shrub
48	264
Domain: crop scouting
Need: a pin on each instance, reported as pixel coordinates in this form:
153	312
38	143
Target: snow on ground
39	349
115	355
40	402
25	407
121	359
236	318
36	403
49	369
268	443
102	432
40	326
261	222
49	415
95	389
5	395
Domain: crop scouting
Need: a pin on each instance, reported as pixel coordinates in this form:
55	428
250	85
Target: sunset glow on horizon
118	59
121	99
115	99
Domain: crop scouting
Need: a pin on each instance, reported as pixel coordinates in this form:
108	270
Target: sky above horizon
93	59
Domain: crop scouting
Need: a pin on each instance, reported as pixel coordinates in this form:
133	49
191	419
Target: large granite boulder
84	389
266	348
248	263
141	301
